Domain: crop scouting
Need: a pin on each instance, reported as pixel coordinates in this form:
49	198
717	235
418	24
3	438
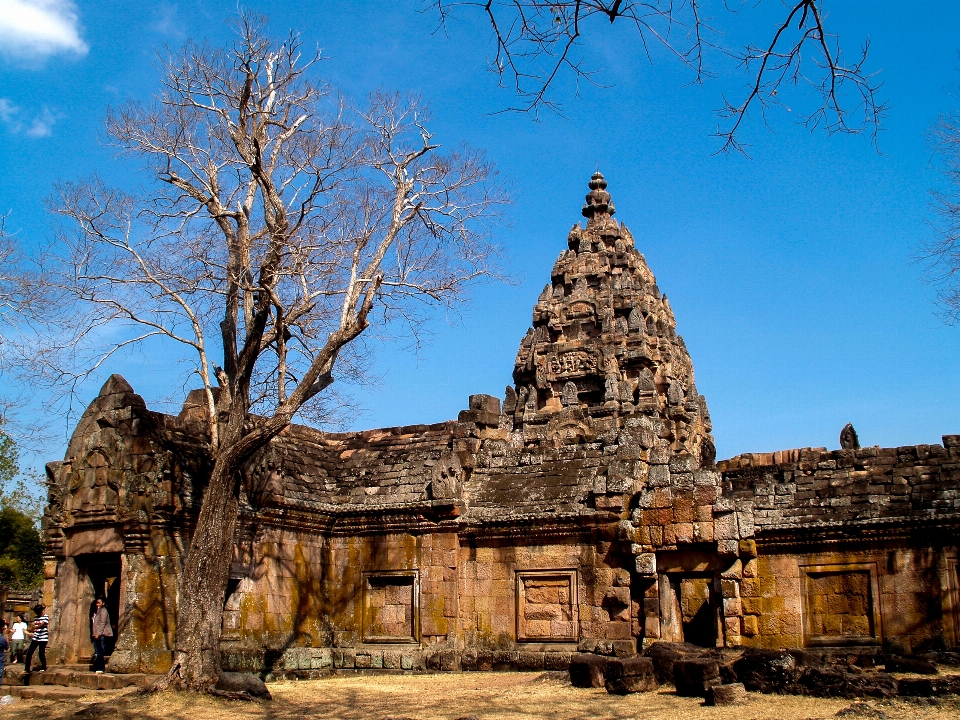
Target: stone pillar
66	633
671	618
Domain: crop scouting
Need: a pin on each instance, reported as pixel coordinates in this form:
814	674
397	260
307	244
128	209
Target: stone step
46	692
75	677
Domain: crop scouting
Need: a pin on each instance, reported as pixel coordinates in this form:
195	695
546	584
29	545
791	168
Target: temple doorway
100	577
689	609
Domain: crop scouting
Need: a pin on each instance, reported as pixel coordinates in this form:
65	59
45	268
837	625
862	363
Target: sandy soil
448	696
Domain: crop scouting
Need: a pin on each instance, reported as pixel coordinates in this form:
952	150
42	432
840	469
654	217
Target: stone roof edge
891	529
338	520
445	426
811	454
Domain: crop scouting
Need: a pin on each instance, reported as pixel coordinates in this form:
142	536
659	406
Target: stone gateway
587	512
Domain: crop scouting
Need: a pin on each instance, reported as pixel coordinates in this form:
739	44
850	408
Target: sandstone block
727	548
732	694
449	660
587	670
630	675
557	661
485	403
733	572
624	648
767	671
694	677
900	664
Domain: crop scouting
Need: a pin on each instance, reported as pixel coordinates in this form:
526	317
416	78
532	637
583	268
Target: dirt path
487	696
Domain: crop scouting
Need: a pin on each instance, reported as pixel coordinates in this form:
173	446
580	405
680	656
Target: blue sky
793	274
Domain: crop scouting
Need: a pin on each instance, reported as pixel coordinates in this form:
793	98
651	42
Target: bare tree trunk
196	658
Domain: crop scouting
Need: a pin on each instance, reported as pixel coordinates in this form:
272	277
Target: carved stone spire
598	205
603	354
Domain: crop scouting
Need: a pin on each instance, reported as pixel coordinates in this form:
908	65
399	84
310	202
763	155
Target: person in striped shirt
38	638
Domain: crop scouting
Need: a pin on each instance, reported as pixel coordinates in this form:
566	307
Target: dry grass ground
448	696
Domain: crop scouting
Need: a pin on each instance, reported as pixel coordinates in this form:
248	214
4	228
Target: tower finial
598	203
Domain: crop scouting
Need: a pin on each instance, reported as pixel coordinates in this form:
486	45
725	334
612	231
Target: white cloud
39	28
42	125
36	127
7	111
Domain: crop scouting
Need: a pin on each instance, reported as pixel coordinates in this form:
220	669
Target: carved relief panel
94	486
547	608
391	603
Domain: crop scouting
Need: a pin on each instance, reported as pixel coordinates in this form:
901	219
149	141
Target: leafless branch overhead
538	43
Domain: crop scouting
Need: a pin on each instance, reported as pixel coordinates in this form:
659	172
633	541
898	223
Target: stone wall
855	546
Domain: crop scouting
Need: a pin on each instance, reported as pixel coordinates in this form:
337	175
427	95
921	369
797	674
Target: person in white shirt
17	638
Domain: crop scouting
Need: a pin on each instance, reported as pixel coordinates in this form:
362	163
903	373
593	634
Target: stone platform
67	682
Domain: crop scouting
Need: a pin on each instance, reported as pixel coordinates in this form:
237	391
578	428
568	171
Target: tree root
232	694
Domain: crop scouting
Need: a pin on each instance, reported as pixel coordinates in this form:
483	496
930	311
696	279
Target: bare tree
537	43
943	253
280	224
23	310
17	295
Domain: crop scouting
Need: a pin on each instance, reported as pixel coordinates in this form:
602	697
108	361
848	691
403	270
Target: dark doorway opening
102	572
699	610
690	609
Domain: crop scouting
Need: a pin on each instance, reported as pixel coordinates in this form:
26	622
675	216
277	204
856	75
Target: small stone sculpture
848	438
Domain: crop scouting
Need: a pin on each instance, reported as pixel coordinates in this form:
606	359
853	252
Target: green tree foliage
21	552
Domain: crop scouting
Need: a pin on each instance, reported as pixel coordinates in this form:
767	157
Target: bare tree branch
537	43
281	221
943	252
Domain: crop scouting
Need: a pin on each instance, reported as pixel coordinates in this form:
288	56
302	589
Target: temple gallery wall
585	509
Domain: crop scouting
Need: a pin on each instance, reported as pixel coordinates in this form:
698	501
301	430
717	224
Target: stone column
671	618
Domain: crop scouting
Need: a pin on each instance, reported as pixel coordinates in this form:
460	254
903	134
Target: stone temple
586	510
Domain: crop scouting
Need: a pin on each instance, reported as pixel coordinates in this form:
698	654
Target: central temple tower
603	355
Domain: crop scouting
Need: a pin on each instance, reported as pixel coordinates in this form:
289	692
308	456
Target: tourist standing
38	638
4	645
17	637
101	631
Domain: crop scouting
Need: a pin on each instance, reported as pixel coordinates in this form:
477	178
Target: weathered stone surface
630	675
588	670
766	671
243	682
694	677
731	694
664	654
899	664
826	682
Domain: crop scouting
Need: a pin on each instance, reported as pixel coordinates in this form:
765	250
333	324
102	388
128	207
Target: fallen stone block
731	694
694	677
243	682
916	687
899	664
766	671
587	670
630	675
820	682
664	654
